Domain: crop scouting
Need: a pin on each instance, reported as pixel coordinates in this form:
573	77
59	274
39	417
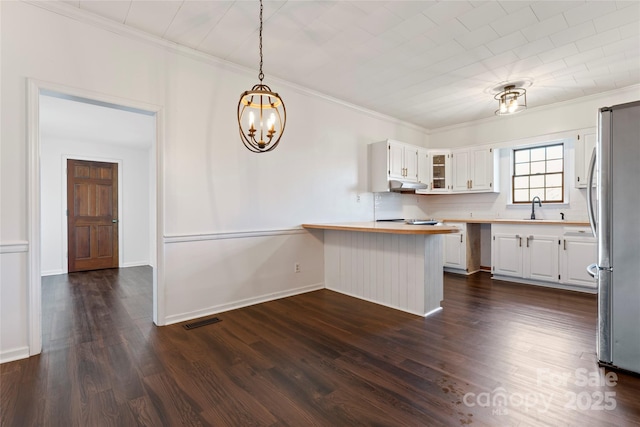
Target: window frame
563	173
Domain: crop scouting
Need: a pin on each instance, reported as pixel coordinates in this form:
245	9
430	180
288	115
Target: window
538	171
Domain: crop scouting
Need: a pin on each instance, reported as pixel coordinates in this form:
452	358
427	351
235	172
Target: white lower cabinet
576	253
544	254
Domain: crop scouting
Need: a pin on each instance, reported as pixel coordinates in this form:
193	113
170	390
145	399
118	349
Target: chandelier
511	100
261	113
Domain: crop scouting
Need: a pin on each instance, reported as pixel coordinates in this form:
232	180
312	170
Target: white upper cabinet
584	145
391	160
440	170
424	170
474	170
443	171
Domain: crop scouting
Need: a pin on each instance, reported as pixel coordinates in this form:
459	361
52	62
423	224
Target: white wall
221	203
133	201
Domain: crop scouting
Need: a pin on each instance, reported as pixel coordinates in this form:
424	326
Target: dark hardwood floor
497	354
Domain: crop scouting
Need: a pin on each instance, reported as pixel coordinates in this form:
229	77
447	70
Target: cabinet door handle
460	238
527	241
470	183
519	240
565	244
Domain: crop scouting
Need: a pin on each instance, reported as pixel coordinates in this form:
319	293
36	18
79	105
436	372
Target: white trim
14	247
434	311
34	282
561	286
85	17
14	354
360	297
182	317
34	287
135	264
230	235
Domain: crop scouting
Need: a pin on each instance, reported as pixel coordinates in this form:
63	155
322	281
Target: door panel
542	257
92	201
507	254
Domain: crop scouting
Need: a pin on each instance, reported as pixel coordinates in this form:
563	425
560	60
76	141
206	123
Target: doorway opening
93	129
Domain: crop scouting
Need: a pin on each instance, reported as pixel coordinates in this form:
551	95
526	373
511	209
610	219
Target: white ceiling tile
630	30
515	21
446	32
626	3
558	53
447	10
570	71
546	69
407	9
381	20
585	56
630	44
194	20
500	61
522	68
572	34
419	46
153	16
534	48
482	15
512	41
588	11
477	37
115	10
605	61
319	31
546	9
545	28
601	39
414	26
619	17
342	14
514	6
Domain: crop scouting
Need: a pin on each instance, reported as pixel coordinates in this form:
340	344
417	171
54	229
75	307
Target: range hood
405	186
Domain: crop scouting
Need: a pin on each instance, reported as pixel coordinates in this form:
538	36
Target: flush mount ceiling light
261	113
511	100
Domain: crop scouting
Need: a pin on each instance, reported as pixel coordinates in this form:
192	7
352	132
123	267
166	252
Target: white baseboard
135	264
14	354
182	317
52	273
546	284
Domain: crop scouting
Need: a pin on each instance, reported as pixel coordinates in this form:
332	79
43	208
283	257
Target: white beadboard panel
13	303
203	277
399	271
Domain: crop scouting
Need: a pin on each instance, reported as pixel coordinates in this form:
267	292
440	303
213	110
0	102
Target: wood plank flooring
497	354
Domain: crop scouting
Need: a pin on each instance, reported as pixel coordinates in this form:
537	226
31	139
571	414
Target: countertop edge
373	227
520	221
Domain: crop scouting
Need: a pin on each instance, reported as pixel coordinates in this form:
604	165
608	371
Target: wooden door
92	215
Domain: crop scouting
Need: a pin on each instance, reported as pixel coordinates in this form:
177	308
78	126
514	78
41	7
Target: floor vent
199	323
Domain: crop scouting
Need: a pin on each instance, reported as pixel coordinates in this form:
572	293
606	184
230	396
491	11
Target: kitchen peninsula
389	263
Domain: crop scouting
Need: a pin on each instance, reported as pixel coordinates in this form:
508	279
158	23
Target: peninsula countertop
385	227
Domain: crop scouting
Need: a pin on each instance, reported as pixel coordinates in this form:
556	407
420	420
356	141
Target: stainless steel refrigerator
616	223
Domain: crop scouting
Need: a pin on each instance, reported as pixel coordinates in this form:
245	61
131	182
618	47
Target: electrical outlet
296	267
358	198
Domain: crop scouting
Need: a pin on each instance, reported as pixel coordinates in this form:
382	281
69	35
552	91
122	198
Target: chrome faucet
533	206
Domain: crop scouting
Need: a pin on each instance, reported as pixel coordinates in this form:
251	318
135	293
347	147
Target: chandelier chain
261	75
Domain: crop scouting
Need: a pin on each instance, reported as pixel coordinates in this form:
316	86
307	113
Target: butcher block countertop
521	221
385	227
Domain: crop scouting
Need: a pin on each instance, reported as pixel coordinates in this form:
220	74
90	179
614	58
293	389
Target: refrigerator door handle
592	217
592	269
